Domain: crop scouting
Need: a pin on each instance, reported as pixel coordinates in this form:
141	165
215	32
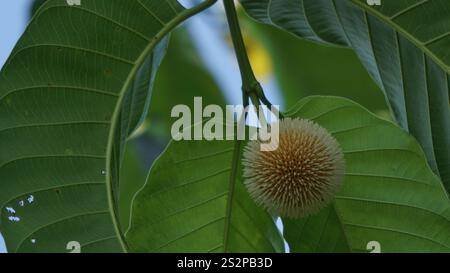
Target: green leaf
132	177
403	44
389	195
137	99
195	201
69	94
154	135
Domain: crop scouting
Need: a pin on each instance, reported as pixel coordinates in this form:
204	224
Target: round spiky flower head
301	176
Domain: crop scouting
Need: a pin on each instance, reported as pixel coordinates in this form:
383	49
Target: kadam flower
301	176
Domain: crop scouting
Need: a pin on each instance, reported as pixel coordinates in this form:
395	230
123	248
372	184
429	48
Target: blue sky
13	19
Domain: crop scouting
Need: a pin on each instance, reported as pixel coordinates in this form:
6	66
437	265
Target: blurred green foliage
305	68
181	77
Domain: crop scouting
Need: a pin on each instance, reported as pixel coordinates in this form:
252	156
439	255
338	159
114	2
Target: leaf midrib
231	188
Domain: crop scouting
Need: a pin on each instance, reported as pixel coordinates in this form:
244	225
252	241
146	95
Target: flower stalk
251	88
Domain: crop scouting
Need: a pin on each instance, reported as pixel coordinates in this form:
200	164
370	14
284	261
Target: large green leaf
195	201
390	194
68	97
403	44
